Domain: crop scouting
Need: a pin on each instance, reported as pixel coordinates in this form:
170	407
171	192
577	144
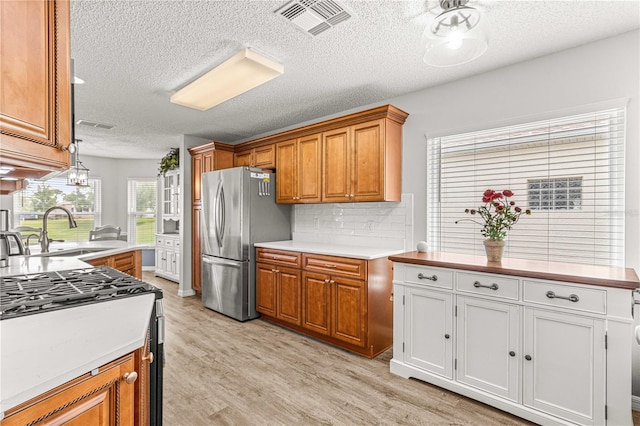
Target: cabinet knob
351	195
130	378
446	336
512	353
332	281
148	357
326	281
527	357
346	195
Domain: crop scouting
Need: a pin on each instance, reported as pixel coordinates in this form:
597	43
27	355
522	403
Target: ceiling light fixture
454	36
78	174
238	74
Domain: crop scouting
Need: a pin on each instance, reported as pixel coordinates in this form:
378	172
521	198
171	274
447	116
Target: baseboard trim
635	403
148	268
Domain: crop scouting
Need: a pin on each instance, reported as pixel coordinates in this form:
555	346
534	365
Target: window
30	204
569	171
142	210
555	193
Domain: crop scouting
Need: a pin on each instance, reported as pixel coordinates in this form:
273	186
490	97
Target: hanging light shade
78	174
454	36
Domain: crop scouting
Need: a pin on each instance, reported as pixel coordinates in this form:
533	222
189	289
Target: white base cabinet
168	257
502	340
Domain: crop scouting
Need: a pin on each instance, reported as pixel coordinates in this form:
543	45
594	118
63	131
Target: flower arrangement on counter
498	214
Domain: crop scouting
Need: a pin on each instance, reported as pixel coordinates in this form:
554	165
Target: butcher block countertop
329	249
567	272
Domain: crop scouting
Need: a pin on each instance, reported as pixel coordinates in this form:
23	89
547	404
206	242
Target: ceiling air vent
314	16
88	123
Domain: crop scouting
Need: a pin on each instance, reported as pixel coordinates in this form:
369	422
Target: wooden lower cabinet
129	262
350	307
278	294
113	396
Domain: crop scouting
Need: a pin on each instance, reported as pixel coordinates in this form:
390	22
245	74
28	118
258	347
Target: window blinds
569	171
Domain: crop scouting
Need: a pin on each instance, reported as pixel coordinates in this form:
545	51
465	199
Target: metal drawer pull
572	297
328	265
424	277
493	286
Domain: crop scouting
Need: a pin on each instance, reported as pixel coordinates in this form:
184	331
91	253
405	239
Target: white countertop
329	249
45	262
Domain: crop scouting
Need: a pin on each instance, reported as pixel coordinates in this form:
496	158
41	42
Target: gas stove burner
26	294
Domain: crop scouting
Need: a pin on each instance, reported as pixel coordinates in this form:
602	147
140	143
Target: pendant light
455	36
78	174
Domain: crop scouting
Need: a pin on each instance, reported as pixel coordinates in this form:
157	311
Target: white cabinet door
428	330
488	346
564	365
161	256
176	265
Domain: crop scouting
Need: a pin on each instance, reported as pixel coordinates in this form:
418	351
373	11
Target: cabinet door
176	264
348	310
243	158
196	177
368	168
266	289
316	302
308	168
104	399
208	161
564	365
287	184
288	295
488	346
35	114
336	165
428	319
264	157
161	260
222	160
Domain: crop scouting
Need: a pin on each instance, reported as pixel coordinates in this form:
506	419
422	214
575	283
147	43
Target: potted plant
169	162
498	214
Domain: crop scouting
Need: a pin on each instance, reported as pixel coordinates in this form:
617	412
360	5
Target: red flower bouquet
499	214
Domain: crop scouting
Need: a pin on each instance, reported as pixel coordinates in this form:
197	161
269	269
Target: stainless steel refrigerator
238	209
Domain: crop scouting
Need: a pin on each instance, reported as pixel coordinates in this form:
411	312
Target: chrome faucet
45	240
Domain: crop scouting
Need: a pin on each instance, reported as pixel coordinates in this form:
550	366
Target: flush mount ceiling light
454	36
238	74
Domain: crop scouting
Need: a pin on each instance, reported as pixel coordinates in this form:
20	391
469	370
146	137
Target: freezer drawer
227	288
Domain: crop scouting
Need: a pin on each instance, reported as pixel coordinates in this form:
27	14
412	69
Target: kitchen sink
70	252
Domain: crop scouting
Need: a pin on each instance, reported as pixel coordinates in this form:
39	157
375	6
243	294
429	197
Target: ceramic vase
494	249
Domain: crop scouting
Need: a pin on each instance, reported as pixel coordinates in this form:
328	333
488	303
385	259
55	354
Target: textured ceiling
133	55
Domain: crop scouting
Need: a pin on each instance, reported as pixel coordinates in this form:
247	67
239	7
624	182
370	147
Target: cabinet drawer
288	258
159	241
426	275
124	261
487	284
169	242
566	296
353	268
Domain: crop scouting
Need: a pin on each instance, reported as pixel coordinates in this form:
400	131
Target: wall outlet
316	223
369	226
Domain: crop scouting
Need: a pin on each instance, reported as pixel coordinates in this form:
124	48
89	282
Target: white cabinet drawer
168	242
159	241
487	284
566	296
426	275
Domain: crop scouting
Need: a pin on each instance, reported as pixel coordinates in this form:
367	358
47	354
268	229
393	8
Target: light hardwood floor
223	372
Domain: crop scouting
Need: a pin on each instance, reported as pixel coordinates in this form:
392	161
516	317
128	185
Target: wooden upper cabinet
336	165
298	174
362	162
35	89
263	157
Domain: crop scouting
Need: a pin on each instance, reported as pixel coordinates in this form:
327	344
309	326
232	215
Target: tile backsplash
385	224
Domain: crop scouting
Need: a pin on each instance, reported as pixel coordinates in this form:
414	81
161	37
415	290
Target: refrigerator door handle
217	215
223	209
